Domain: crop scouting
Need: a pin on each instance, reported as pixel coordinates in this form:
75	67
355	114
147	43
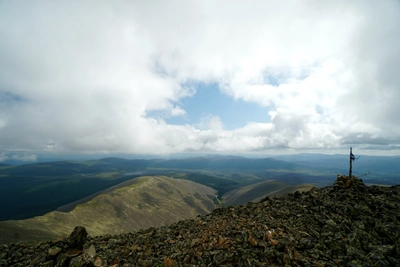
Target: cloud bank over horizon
88	77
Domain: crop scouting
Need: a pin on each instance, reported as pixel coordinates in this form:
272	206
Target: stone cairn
351	183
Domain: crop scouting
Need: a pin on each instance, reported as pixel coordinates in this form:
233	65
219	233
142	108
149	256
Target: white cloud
86	75
209	122
24	157
177	111
3	157
18	156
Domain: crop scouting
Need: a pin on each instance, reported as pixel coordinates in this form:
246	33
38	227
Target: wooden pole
351	163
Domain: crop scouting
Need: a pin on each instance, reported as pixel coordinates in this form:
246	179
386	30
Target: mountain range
44	200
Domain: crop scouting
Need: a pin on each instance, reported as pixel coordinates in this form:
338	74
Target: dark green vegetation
34	189
30	196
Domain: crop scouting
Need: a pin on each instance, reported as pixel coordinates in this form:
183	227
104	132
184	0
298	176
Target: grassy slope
147	202
215	181
255	192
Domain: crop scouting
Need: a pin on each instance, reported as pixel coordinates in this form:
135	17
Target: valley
113	195
35	189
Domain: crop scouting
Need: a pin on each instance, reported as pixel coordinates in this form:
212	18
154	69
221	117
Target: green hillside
255	192
143	202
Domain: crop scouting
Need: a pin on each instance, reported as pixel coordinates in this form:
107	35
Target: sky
173	77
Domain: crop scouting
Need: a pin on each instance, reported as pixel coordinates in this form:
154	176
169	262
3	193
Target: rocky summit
347	224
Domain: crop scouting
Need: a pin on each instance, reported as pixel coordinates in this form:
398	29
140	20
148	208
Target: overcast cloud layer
83	76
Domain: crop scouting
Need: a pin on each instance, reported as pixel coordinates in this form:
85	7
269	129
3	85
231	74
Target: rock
48	263
80	261
268	235
54	251
98	262
169	262
90	252
61	260
274	242
73	253
252	241
77	237
38	259
347	184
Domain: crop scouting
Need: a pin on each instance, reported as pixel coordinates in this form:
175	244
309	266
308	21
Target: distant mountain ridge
225	163
119	164
365	163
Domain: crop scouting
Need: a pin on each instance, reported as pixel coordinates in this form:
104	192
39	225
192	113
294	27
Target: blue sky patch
210	101
10	98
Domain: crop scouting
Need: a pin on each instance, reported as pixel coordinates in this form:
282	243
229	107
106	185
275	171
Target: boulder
77	238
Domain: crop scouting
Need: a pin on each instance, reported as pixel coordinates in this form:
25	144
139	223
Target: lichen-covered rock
77	237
